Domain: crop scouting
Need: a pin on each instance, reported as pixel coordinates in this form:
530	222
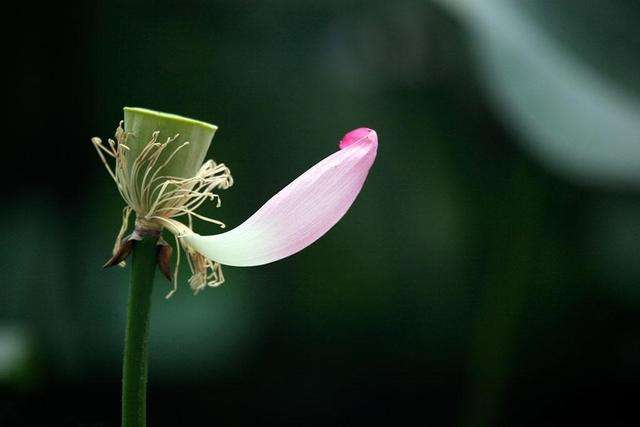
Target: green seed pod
140	124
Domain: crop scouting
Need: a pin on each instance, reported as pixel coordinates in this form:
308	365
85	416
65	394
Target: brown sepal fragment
123	252
163	257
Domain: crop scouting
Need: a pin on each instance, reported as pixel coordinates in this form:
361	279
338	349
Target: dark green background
468	285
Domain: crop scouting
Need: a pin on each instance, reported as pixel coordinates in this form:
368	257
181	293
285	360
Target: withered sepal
163	257
126	246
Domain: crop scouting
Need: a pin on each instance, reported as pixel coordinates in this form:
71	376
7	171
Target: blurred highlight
577	120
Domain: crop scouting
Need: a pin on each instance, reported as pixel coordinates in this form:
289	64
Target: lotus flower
161	181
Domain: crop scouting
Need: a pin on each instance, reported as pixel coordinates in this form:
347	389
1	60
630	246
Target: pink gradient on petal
354	136
301	212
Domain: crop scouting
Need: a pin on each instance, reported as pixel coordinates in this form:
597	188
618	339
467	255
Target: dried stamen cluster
158	199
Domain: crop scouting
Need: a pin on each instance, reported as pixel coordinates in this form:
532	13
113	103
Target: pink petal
301	212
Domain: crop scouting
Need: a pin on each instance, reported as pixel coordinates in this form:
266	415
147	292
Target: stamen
158	199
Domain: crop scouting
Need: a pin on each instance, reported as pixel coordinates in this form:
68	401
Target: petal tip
358	135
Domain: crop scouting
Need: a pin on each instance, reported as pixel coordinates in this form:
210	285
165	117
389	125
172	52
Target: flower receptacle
140	125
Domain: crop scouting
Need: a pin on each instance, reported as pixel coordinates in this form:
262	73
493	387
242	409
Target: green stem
134	372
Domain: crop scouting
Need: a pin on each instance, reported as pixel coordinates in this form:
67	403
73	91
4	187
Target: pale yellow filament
158	199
